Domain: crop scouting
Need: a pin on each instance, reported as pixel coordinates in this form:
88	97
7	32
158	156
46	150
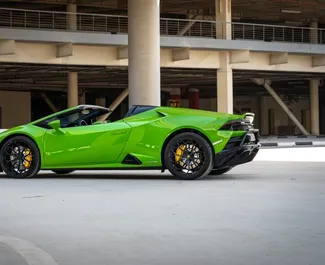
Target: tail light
237	125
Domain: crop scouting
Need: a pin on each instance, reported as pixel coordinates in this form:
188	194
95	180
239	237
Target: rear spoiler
249	117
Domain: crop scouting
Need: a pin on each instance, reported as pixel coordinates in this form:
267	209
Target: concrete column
223	19
72	17
194	98
314	106
225	99
314	32
175	98
144	52
73	89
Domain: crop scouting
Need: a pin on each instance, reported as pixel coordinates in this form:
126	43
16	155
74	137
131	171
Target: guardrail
116	24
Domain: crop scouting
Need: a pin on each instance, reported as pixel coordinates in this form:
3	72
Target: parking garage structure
133	41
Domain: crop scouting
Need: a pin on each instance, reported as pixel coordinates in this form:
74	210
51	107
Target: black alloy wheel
188	156
20	157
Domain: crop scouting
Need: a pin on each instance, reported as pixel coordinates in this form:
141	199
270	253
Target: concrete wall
46	53
15	108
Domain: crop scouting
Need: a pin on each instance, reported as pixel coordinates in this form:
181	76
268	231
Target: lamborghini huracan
189	143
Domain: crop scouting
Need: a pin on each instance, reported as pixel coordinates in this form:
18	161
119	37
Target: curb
292	137
292	144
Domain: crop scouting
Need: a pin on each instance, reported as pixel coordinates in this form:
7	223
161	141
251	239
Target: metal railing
38	19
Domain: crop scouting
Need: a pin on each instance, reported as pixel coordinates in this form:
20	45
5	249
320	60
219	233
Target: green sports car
189	143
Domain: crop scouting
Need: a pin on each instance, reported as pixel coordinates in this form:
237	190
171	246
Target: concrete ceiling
246	10
23	77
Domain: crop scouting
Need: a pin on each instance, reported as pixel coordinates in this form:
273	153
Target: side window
75	118
69	119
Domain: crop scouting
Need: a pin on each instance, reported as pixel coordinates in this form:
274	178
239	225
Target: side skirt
109	168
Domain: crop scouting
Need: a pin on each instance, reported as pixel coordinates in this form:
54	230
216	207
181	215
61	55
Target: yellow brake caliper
28	158
179	153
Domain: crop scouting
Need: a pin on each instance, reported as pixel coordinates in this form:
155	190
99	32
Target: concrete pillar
72	17
144	52
223	19
314	106
73	89
314	32
194	98
225	96
175	98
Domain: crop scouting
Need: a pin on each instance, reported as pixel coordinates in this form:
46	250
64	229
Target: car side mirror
56	125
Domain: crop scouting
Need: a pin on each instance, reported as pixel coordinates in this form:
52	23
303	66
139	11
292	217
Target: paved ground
260	213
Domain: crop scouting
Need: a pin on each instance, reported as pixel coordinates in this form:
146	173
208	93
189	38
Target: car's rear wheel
20	157
188	156
62	171
220	171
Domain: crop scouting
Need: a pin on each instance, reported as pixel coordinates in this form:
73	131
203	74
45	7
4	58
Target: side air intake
131	160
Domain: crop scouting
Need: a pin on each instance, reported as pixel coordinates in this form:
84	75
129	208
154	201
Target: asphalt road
260	213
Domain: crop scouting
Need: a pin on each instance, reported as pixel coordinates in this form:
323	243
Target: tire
63	171
27	163
173	153
221	171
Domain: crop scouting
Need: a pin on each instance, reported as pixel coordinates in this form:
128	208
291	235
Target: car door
86	146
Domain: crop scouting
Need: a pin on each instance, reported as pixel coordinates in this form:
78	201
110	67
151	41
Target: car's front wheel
188	156
20	157
220	171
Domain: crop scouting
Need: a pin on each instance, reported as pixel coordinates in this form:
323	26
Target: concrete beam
122	53
49	102
279	58
181	54
189	25
107	39
64	50
115	104
318	60
267	85
240	56
7	47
